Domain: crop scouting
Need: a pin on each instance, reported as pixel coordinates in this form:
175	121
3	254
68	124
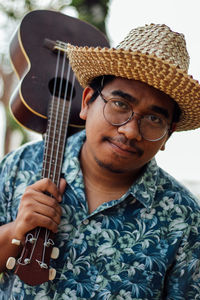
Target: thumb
62	185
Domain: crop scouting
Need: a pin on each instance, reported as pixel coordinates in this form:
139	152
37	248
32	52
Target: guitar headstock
36	254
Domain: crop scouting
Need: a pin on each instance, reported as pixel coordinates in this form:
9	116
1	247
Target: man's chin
109	167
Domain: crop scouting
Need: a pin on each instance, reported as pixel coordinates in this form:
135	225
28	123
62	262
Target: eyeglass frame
130	118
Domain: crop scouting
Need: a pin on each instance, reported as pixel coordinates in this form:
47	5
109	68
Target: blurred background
115	18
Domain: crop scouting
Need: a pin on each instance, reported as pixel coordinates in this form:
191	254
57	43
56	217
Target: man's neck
104	178
102	185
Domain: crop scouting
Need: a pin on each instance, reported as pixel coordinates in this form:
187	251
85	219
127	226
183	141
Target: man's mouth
124	147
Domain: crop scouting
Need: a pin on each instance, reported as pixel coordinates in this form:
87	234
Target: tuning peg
52	274
10	263
16	242
55	252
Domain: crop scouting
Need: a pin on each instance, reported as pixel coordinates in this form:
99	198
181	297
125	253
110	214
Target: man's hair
98	83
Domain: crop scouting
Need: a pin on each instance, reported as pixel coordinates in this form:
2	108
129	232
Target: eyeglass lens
118	112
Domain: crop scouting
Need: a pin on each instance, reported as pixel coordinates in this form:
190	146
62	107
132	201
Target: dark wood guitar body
34	61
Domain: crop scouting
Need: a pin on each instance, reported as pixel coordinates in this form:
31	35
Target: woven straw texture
152	54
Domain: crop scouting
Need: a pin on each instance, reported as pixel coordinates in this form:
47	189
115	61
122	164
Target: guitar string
55	103
37	231
47	142
61	106
53	100
70	101
65	107
65	115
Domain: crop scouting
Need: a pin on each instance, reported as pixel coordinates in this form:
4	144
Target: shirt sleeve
183	279
18	169
6	189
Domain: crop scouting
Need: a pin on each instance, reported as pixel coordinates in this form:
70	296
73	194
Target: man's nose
131	130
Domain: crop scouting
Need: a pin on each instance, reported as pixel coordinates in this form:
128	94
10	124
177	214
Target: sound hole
62	89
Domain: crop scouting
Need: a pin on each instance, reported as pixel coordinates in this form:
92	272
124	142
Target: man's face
122	149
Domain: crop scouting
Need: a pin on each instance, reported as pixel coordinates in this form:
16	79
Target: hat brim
89	62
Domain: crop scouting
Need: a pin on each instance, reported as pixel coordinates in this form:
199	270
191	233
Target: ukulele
47	100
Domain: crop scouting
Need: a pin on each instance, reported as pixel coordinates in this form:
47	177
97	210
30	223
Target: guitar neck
33	264
55	138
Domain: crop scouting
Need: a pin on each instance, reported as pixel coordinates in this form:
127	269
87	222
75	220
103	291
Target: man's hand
38	209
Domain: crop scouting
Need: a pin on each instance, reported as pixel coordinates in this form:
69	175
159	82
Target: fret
56	120
55	139
51	169
52	175
56	111
57	106
55	177
54	146
51	156
53	162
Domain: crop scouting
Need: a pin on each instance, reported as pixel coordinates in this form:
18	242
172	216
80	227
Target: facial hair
119	140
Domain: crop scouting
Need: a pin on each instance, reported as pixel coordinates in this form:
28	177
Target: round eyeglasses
118	112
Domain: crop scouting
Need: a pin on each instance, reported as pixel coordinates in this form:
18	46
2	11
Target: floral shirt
145	245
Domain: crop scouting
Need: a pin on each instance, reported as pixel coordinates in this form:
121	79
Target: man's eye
153	119
119	104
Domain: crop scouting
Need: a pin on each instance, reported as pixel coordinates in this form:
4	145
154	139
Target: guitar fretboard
55	139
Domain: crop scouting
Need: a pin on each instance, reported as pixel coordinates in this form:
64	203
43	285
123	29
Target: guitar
47	100
33	53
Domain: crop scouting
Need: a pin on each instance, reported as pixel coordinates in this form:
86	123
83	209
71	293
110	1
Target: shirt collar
71	164
144	189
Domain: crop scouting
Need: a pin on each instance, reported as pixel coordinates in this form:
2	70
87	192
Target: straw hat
153	54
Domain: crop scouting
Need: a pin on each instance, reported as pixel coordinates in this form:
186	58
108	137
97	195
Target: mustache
122	140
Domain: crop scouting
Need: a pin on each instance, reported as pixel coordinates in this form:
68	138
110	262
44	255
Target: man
124	227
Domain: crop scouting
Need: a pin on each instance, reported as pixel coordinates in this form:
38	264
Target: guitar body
35	62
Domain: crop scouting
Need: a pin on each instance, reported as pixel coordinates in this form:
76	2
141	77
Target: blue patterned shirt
145	245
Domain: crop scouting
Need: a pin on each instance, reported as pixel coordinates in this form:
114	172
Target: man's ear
164	142
86	96
163	147
172	129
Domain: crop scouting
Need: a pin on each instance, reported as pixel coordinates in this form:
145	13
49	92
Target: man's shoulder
26	149
31	152
168	186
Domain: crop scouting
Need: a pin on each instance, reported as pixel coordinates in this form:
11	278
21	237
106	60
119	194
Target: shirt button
85	222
